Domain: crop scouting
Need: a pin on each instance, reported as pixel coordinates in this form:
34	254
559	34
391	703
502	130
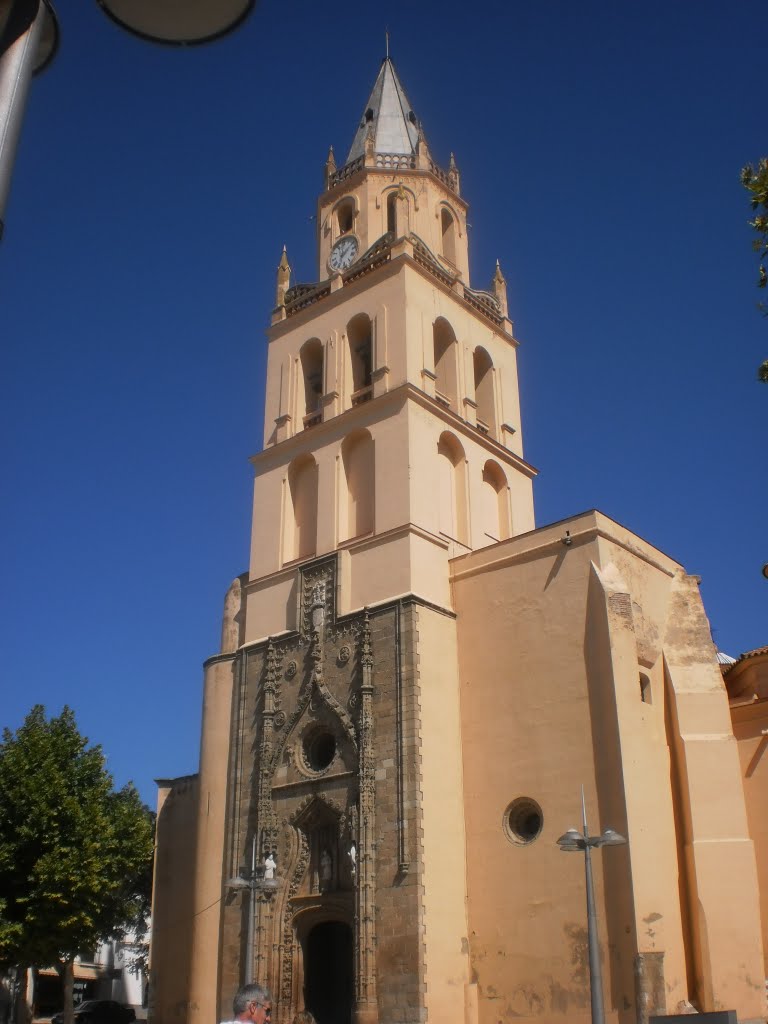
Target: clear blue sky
600	145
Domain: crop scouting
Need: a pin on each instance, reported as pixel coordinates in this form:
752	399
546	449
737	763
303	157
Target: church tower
413	681
392	443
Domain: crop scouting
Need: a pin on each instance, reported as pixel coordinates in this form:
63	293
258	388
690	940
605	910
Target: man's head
253	1003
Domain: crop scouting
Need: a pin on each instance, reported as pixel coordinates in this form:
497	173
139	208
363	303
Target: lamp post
574	841
180	24
251	884
29	35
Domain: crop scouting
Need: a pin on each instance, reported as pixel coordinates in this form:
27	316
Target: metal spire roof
388	113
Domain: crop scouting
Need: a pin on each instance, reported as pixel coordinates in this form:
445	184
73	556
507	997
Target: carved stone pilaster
267	824
365	910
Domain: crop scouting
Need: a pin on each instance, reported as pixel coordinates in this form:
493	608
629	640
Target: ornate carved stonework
310	799
317	590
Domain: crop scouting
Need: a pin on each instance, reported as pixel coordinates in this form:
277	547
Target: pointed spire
499	289
283	278
454	178
423	156
388	113
330	167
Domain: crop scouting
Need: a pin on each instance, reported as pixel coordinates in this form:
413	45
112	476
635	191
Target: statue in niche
326	870
318	606
353	858
269	866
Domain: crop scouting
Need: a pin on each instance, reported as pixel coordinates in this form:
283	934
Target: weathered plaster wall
747	684
208	889
437	747
174	876
552	640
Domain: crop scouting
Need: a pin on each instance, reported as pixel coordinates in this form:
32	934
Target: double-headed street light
251	883
574	841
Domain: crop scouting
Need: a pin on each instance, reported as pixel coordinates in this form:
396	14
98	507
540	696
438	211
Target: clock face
343	253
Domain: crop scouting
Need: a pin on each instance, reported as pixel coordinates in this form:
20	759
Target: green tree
74	852
755	181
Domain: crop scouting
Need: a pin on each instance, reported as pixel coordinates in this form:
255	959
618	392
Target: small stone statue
269	866
326	869
353	857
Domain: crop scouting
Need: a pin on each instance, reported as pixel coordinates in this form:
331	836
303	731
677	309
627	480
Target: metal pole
595	972
16	66
251	917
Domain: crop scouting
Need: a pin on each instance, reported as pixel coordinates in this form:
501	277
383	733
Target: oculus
319	749
523	821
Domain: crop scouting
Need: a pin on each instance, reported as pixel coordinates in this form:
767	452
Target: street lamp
180	24
574	841
251	884
29	35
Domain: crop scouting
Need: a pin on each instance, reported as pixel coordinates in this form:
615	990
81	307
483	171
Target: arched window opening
495	503
646	693
452	488
391	212
357	456
448	229
311	359
483	369
360	358
301	525
445	347
345	216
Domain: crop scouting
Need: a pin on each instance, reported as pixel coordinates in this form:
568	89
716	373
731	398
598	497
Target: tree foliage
75	854
755	181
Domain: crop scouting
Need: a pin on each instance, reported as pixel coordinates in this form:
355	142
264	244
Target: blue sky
600	146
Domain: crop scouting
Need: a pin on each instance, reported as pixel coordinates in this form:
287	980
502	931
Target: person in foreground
252	1003
305	1017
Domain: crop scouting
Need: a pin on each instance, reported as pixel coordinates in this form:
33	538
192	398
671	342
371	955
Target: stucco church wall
174	876
750	727
442	835
527	732
212	808
552	638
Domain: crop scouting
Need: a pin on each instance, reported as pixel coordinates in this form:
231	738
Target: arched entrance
328	977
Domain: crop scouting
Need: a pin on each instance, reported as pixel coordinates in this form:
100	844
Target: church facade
414	681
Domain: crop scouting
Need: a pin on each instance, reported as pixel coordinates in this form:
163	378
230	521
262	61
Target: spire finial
386	37
283	278
499	289
330	168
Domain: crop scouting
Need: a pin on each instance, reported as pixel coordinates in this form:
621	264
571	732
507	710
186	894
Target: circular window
523	820
319	750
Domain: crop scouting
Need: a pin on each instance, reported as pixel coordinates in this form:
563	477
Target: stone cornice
378	273
359	415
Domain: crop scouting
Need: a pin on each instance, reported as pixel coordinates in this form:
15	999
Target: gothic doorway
328	973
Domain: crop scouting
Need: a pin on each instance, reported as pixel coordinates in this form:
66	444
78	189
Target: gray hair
250	994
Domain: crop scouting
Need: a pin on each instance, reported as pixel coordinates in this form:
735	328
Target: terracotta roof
745	656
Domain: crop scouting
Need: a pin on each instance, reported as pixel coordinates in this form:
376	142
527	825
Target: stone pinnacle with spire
283	278
330	168
499	288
